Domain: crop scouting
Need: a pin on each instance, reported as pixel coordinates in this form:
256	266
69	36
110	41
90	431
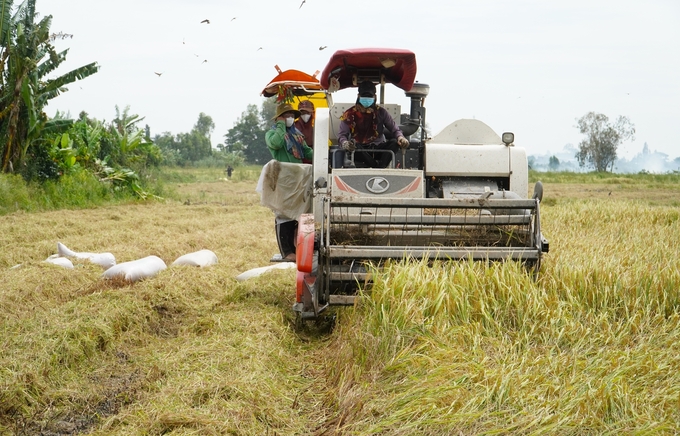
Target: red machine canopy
349	67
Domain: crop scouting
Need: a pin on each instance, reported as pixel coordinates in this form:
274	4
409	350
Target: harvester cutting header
460	194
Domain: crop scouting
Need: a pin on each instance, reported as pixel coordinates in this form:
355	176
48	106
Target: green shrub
14	193
79	189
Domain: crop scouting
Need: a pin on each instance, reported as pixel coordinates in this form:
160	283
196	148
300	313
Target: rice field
588	348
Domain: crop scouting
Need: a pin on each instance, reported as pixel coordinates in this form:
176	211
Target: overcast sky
530	67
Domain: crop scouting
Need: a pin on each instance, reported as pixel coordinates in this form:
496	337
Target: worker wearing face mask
286	143
305	124
362	128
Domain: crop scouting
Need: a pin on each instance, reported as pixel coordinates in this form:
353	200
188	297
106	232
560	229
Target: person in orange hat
287	144
305	124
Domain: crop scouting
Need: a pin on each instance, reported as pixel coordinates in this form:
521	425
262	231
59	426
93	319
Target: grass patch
477	349
82	190
458	348
643	179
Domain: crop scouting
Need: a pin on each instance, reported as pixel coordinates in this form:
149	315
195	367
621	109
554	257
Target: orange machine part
305	243
300	283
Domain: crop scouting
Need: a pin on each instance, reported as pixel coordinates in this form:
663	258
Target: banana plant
131	142
86	136
63	154
27	57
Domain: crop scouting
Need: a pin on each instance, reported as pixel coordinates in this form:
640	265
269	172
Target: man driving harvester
362	131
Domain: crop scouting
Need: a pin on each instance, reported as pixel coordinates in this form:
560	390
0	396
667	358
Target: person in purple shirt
362	130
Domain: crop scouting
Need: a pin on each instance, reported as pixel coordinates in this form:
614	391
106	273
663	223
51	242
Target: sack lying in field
263	269
136	269
105	260
61	261
198	258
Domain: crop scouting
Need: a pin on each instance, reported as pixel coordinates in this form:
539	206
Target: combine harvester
461	194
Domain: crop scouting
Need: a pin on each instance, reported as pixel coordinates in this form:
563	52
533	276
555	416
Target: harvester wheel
538	191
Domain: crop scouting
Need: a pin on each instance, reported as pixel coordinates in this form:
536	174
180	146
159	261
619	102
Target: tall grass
588	348
14	194
78	190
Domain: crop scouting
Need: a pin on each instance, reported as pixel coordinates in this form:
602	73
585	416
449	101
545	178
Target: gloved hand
349	145
403	142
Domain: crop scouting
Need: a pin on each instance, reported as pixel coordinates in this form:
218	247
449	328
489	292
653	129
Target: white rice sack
136	269
286	188
105	260
263	269
61	261
199	258
63	250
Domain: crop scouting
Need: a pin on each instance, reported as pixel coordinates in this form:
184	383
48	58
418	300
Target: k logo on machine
377	185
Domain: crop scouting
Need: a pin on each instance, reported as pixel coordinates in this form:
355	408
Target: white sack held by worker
136	269
286	188
200	258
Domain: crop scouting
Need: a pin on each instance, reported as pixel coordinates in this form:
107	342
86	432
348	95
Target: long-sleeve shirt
384	121
307	129
276	141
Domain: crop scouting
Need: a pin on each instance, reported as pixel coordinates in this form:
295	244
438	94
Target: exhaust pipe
416	119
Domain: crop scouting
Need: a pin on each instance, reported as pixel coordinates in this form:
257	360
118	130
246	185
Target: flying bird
158	74
233	19
204	61
259	49
303	2
322	47
206	21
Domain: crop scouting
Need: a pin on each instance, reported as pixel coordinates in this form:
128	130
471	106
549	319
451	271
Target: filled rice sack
136	269
263	269
200	258
105	260
61	261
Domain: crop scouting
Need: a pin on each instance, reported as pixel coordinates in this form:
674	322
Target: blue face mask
366	101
